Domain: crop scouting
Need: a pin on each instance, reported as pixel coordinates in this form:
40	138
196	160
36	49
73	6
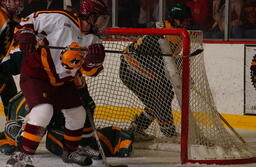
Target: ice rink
140	158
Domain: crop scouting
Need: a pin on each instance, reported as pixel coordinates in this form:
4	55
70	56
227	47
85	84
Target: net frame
185	94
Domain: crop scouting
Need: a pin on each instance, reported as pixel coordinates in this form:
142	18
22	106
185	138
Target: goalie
143	71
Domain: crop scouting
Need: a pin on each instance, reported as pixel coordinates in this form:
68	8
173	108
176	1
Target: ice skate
89	151
139	135
13	130
76	158
19	159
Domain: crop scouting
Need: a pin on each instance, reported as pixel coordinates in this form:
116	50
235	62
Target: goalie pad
115	142
17	108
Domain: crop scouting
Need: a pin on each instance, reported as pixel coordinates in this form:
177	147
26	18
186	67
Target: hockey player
144	73
115	141
47	75
8	11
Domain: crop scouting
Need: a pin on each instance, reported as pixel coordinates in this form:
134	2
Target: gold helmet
71	58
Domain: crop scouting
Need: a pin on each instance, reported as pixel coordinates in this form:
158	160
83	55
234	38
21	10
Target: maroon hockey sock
31	138
71	139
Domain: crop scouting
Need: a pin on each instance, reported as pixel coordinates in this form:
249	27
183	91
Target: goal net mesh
145	86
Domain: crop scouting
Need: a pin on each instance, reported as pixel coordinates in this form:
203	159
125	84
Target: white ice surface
140	158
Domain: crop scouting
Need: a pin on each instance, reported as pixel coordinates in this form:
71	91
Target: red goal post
205	136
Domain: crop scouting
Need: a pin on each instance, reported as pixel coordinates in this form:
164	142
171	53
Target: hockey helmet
95	12
72	58
179	11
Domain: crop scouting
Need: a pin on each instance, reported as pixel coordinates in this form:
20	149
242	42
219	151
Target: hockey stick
195	53
104	159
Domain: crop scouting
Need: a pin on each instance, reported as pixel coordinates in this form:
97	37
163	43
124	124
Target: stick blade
197	52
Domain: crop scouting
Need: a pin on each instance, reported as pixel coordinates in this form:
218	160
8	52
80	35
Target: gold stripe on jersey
69	15
6	28
48	69
3	20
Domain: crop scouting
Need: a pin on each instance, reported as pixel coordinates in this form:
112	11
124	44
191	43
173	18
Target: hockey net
204	136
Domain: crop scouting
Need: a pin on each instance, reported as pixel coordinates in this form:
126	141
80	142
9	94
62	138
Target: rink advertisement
250	80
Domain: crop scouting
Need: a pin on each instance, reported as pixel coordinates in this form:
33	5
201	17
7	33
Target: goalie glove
253	71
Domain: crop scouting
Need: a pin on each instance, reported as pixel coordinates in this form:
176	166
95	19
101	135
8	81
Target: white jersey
60	29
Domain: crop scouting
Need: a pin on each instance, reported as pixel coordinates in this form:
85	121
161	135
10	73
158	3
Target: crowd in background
207	15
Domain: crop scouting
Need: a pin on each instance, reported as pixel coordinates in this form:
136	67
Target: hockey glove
95	56
26	40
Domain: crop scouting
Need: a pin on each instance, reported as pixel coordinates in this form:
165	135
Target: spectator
235	15
200	12
249	19
218	15
148	12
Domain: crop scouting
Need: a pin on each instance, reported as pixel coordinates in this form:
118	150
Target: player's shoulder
59	17
56	14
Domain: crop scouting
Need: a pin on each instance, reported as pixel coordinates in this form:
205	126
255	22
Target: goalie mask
72	59
95	13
